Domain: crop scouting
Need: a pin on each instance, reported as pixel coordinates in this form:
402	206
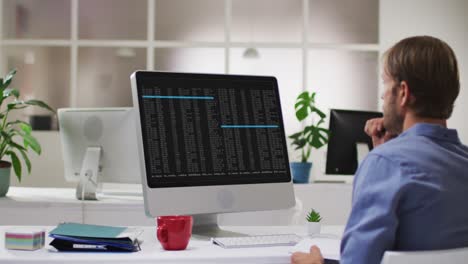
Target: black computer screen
346	129
204	129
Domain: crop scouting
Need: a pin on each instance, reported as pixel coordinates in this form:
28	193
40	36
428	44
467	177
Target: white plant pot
313	228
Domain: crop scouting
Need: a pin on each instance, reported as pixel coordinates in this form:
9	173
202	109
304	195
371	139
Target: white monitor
98	145
210	143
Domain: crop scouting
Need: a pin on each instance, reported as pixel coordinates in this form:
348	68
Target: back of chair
452	256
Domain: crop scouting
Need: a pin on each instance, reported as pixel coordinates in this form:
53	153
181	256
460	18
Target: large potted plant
312	136
15	135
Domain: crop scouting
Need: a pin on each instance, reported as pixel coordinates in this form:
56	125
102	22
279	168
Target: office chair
452	256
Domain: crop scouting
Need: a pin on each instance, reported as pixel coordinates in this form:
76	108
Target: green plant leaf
6	82
320	122
11	123
10	91
320	138
313	216
300	143
301	113
23	153
25	127
16	145
6	136
40	104
305	104
316	110
25	158
16	164
312	96
295	135
304	95
302	106
16	105
30	141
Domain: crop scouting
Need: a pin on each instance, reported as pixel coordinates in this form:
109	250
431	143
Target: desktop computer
348	143
98	145
209	144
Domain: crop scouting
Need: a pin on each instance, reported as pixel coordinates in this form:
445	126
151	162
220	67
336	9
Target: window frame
150	44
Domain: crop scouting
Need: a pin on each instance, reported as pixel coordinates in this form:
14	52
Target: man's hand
314	257
375	129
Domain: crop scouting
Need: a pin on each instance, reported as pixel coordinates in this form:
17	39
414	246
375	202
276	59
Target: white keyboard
257	241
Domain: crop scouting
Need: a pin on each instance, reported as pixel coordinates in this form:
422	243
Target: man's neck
411	120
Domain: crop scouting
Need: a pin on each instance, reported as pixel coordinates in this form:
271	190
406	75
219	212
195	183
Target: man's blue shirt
410	193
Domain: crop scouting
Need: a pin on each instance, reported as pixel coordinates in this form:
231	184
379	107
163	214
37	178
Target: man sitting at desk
410	192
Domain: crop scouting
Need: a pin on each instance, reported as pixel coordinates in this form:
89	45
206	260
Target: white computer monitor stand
88	184
205	226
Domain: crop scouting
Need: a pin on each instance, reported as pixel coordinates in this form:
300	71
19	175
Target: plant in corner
313	222
312	136
15	135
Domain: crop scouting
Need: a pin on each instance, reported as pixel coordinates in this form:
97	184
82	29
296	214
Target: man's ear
404	94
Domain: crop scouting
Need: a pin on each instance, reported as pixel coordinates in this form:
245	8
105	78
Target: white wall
445	19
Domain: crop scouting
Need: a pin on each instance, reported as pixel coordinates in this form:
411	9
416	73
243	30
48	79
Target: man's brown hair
429	67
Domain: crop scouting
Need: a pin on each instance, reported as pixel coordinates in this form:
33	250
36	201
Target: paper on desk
330	247
132	233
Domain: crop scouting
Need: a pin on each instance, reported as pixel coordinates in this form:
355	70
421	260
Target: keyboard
257	241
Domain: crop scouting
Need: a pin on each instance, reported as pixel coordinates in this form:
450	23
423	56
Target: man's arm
372	225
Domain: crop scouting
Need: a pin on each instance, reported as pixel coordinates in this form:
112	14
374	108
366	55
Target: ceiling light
251	53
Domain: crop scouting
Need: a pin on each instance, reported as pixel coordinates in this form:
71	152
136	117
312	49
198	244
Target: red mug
174	232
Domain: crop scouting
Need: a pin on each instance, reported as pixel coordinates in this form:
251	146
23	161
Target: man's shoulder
396	148
419	152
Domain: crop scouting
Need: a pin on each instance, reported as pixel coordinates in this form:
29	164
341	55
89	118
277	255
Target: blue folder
84	230
83	237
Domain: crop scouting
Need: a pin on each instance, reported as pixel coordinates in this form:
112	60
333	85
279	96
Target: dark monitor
346	131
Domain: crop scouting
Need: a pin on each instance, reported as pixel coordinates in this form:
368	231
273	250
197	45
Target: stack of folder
82	237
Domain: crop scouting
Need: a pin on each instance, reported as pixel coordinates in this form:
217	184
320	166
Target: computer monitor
98	145
348	143
210	143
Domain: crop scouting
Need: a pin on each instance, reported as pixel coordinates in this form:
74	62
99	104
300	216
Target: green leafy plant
15	135
312	136
313	216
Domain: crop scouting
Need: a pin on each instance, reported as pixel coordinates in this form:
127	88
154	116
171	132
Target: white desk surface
49	206
152	252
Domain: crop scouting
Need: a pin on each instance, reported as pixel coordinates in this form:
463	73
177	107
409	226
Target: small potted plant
15	135
312	136
313	222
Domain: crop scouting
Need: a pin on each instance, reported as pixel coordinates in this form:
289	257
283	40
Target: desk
49	206
152	252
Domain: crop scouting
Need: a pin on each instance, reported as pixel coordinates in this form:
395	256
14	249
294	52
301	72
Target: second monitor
348	142
98	145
